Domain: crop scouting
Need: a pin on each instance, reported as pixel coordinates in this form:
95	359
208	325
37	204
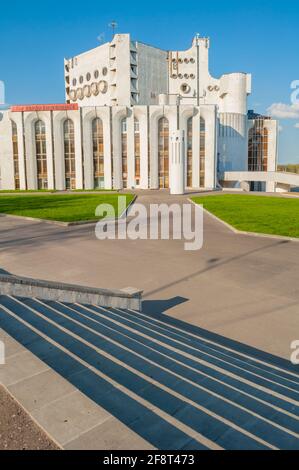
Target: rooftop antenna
113	25
101	38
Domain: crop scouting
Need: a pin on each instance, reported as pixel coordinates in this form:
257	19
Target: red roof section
45	107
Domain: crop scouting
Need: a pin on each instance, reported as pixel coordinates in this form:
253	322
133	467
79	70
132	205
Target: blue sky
260	37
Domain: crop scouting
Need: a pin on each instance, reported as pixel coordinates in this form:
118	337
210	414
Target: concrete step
173	387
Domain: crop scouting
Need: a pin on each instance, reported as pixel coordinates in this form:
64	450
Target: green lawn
260	214
29	191
64	208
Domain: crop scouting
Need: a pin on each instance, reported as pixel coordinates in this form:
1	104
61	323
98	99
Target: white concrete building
138	117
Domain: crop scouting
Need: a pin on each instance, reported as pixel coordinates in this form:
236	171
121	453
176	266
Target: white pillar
118	113
177	176
76	117
31	164
17	118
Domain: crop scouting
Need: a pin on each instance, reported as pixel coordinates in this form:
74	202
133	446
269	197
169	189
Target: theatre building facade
137	117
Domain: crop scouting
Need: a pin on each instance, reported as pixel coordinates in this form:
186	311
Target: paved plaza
206	365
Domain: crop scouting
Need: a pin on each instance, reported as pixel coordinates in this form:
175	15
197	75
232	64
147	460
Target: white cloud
297	125
284	111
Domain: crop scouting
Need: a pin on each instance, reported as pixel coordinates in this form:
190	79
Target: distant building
138	117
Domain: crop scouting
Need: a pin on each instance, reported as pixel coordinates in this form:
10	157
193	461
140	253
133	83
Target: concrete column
140	113
156	112
118	113
17	118
58	121
6	149
31	166
78	149
88	149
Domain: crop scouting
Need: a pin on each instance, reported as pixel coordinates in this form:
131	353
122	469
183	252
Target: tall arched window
258	147
163	152
15	152
189	152
69	154
124	152
137	151
41	154
202	158
98	153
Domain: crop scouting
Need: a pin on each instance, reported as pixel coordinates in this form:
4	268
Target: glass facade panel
69	154
202	155
98	152
163	152
137	151
189	152
258	147
124	152
41	155
15	154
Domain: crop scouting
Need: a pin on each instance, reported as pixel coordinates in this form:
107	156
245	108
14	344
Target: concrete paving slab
40	390
111	434
70	416
11	345
20	367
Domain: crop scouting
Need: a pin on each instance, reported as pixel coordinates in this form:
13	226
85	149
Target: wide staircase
175	385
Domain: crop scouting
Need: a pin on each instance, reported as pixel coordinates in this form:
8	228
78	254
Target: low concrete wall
291	179
25	287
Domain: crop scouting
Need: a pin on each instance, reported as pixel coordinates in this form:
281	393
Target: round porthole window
186	60
173	75
73	95
180	61
180	75
104	71
192	75
185	88
80	94
86	91
103	86
94	89
96	74
186	75
81	79
88	76
192	60
74	82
